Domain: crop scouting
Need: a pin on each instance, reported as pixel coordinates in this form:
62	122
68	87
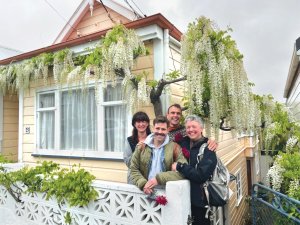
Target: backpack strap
199	158
201	153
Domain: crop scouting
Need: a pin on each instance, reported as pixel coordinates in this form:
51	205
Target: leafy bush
72	186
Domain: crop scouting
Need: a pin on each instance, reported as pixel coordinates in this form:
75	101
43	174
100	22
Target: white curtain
46	121
115	120
78	120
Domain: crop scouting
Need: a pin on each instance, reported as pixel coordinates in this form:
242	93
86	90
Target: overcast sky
265	30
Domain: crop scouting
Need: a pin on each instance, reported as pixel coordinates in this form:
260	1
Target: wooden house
35	120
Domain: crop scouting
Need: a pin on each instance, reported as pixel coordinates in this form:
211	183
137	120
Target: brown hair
161	119
137	117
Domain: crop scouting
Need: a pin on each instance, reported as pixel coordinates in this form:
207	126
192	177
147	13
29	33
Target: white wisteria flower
294	187
275	174
217	84
291	142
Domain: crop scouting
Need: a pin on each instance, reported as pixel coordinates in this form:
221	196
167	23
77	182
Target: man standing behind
151	162
174	114
177	131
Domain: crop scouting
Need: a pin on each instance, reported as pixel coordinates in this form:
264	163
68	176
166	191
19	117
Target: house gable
87	21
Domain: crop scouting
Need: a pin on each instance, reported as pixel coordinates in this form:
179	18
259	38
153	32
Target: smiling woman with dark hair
140	122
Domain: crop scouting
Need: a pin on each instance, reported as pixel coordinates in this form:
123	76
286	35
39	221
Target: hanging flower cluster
217	84
267	108
275	174
294	190
291	142
108	61
120	48
270	133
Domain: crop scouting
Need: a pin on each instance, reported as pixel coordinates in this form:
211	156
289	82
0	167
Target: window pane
46	100
113	93
115	127
78	120
46	130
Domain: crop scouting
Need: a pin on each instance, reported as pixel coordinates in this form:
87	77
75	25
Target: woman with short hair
198	171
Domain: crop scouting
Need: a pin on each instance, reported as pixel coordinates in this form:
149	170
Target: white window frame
100	152
239	187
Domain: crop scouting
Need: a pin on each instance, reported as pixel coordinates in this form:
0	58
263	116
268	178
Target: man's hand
148	188
147	191
174	165
212	145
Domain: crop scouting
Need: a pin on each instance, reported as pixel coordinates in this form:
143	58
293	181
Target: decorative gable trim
80	12
73	21
120	9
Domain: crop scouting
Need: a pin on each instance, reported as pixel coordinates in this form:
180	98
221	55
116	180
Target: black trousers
198	215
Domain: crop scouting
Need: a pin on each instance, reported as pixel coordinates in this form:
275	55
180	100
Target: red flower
178	137
185	153
161	200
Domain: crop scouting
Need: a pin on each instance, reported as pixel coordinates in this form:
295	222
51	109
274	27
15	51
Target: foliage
72	186
281	134
217	86
291	165
289	173
3	159
280	131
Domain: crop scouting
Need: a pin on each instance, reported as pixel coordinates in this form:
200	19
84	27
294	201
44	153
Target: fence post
179	203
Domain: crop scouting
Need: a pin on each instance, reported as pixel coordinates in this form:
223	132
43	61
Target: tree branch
156	93
162	83
174	81
16	196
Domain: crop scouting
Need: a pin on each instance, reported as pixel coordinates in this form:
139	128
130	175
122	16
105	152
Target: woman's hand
174	165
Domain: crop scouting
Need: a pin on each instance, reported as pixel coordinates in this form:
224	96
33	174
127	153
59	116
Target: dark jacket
202	173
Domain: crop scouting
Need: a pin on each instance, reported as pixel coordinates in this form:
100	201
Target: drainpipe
166	38
21	112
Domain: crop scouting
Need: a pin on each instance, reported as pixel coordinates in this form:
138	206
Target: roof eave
158	19
293	70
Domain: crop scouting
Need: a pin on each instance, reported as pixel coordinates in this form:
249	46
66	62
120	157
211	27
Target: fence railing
273	208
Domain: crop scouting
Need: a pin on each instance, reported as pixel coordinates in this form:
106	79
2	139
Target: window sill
77	157
90	155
